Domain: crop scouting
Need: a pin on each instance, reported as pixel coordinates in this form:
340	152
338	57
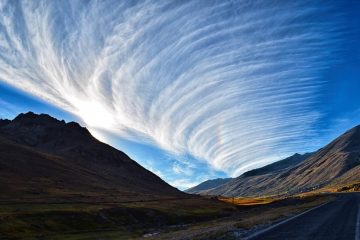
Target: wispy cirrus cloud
234	84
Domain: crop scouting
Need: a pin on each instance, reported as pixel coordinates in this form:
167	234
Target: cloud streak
233	84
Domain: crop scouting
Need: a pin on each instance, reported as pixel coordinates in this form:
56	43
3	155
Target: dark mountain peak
26	115
76	126
44	120
4	122
31	119
30	116
63	156
43	130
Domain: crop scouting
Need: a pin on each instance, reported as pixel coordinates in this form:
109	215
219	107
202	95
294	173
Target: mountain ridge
278	165
66	148
293	160
337	162
208	184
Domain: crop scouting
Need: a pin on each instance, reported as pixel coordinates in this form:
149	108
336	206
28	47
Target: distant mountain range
44	159
279	165
207	185
47	160
337	164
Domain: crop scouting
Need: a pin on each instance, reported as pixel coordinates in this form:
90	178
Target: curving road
337	220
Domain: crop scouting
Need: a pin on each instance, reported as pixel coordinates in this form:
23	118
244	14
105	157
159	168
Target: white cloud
182	169
230	84
183	184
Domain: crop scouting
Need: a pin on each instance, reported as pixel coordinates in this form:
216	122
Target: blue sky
191	90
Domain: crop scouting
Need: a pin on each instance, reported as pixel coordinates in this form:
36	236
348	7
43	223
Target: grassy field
351	187
193	218
247	218
104	221
248	201
333	188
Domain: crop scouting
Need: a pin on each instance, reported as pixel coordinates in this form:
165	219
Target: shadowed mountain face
207	185
338	163
44	158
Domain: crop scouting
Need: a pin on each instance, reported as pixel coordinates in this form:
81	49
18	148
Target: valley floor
187	218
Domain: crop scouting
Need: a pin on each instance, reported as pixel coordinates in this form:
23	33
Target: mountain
293	160
42	158
207	185
338	163
279	165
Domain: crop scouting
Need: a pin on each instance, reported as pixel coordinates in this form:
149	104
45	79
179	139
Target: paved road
338	220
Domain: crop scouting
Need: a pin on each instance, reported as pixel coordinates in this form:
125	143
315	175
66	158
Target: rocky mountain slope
44	158
207	185
338	163
279	165
293	160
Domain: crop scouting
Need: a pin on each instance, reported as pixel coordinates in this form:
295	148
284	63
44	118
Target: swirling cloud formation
232	83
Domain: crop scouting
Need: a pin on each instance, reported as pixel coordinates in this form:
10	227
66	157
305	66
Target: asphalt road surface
338	220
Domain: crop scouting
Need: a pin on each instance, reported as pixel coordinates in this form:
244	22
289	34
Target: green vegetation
106	221
194	217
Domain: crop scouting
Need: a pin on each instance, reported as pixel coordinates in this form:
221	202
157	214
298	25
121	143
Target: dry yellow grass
247	201
350	187
245	218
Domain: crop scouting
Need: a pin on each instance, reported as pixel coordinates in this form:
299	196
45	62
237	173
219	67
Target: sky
192	90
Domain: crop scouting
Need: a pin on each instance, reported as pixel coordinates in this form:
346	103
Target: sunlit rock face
230	83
